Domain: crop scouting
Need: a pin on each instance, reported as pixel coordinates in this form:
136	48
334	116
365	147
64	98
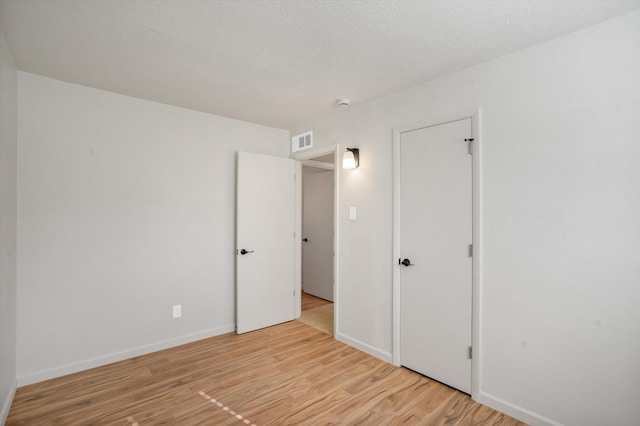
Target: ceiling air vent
302	141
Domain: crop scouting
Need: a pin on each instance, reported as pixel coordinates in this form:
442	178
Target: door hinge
470	250
470	353
470	140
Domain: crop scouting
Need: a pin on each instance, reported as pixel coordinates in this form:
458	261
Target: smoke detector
343	102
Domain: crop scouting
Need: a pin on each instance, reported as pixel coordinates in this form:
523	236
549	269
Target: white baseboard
364	347
120	356
506	407
515	411
6	404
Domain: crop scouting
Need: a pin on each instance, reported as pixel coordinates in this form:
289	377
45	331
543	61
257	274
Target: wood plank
320	318
287	374
312	302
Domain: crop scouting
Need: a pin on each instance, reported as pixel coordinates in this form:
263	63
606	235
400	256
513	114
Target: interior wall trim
121	356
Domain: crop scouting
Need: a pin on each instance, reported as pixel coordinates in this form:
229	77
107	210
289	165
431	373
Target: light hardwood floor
320	318
312	302
317	312
290	374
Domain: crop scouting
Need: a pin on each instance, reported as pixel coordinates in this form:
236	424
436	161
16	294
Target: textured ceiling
277	62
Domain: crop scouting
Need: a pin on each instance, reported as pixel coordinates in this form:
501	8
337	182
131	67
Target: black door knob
305	239
406	262
243	251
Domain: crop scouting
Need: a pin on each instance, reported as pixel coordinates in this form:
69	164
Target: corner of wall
8	226
6	404
364	347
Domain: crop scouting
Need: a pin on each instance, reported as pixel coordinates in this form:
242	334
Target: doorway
317	232
435	230
317	226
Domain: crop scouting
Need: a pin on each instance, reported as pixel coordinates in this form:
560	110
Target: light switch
177	311
352	213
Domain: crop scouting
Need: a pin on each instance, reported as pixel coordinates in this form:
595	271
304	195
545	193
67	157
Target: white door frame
474	114
303	157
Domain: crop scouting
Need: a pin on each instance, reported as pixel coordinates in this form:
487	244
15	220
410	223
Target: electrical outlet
177	311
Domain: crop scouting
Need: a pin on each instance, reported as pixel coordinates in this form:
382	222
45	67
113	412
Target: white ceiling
277	62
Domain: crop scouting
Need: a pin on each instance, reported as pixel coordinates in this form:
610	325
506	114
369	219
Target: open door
265	241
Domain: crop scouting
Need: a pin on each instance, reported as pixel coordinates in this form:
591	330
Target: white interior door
435	238
317	232
265	241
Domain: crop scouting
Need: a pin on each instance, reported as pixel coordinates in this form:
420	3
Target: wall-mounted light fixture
351	158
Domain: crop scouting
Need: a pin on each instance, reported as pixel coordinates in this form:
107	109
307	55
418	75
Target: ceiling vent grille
302	141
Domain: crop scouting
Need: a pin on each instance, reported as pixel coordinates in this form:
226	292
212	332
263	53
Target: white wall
126	207
560	265
8	226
